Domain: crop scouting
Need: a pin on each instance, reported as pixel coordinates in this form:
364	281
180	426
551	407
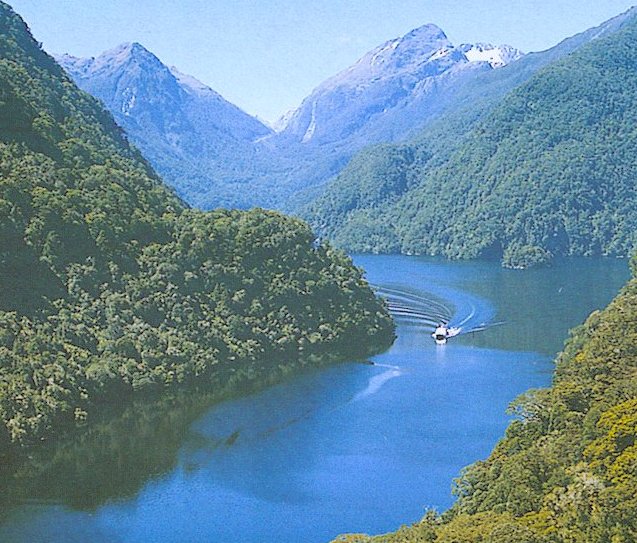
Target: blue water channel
355	447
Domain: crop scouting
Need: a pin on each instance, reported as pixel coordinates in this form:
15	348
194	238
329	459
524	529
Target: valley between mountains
180	320
416	144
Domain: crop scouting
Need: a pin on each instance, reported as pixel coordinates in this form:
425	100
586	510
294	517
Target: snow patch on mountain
312	126
130	97
441	53
496	56
387	48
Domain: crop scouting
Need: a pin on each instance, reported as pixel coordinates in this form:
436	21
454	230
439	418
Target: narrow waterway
351	448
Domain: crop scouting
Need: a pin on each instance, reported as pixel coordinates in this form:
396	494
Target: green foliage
549	171
519	257
377	175
111	289
566	471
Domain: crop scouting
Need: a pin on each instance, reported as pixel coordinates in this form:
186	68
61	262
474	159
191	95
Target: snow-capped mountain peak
110	61
392	77
428	33
413	48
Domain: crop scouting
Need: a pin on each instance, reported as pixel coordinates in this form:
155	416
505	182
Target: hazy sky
267	55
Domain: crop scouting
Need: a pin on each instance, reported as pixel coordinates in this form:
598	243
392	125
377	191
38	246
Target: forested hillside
566	470
110	288
549	171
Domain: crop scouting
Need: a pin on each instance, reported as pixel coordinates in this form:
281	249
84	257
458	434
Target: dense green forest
111	289
566	470
550	171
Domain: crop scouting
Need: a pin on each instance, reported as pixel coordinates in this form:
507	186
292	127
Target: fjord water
349	448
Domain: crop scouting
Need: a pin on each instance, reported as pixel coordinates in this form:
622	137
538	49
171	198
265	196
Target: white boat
442	333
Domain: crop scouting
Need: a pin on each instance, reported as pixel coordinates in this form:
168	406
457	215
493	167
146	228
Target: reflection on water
377	381
353	447
540	305
112	460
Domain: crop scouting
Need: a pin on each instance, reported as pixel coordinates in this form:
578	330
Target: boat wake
459	311
411	307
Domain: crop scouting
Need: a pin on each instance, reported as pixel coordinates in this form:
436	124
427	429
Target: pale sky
267	55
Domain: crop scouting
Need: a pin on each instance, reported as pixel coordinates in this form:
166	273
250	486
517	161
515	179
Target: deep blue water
354	447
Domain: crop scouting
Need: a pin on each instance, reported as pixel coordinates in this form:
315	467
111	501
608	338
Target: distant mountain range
392	90
443	115
214	154
539	163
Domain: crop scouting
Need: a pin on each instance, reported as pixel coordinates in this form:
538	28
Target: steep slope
546	171
111	289
566	470
190	134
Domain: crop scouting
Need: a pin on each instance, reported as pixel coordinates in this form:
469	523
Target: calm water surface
352	448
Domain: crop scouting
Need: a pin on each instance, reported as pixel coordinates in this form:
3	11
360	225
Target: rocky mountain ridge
405	73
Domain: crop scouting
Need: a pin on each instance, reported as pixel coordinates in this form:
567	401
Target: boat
442	333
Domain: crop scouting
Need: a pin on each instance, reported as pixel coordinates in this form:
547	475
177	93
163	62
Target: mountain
419	87
497	57
192	136
216	155
378	96
111	289
389	95
544	170
134	83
